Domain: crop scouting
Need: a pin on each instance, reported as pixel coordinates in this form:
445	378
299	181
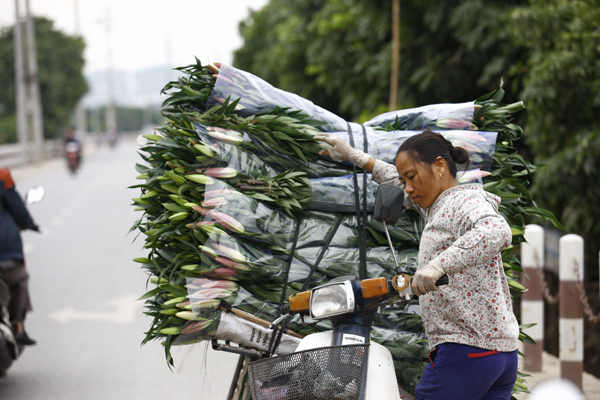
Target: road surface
83	285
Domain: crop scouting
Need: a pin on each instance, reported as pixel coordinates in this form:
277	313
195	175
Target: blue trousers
461	372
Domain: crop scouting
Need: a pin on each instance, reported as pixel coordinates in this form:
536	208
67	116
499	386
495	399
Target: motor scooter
10	350
343	363
72	152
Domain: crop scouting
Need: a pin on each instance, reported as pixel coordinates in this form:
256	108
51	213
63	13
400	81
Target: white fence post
571	309
532	303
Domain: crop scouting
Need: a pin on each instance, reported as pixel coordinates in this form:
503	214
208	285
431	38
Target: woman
469	323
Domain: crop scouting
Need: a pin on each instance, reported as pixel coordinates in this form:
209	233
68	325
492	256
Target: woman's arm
486	233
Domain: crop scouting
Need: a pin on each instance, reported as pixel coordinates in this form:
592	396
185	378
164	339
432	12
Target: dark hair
427	146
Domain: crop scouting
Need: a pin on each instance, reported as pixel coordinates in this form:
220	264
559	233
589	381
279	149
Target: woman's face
419	180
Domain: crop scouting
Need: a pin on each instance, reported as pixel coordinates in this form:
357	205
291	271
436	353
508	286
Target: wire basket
325	373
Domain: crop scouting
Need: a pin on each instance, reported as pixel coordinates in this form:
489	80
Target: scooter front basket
334	372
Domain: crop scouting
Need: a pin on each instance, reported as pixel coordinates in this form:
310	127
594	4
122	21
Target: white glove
341	151
425	278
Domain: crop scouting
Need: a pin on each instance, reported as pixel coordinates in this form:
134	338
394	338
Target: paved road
83	286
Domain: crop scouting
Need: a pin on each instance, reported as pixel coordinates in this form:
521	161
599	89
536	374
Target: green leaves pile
230	216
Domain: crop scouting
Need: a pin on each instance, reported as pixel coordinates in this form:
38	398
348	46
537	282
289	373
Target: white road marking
124	311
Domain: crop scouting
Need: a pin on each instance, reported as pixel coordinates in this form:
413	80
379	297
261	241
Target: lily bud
201	211
208	251
219	192
228	221
204	150
214	202
214	303
451	123
188	315
199	224
221	172
199	178
213	68
232	264
211	293
229	252
219	284
169	331
196	326
183	304
468	147
219	135
222	273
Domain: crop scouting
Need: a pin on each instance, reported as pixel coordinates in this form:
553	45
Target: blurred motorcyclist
14	217
73	149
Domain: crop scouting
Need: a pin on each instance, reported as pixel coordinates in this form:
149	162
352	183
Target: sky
145	33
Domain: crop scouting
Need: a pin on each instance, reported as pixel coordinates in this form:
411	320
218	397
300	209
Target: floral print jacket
465	233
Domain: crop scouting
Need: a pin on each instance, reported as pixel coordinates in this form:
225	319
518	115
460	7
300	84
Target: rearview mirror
389	203
34	195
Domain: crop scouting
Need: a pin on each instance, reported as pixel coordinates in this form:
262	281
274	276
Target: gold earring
441	177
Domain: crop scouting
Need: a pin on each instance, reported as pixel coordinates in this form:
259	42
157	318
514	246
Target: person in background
14	217
470	324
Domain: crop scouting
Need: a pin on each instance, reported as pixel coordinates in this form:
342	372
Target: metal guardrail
11	155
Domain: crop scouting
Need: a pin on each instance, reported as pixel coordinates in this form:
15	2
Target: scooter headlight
330	300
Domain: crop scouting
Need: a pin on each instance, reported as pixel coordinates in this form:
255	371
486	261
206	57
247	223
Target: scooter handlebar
442	281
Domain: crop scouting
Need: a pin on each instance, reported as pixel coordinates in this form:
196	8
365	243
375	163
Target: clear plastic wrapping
257	96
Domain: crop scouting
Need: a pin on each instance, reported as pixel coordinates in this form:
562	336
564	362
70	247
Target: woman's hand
425	278
341	150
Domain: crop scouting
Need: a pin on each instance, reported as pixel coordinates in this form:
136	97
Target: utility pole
111	114
35	101
395	70
20	87
80	114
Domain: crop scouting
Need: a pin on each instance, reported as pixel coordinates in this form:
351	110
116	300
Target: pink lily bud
213	68
219	192
232	264
229	252
214	202
451	123
473	136
220	284
201	210
183	304
199	224
222	273
210	293
220	172
228	222
196	326
472	175
468	147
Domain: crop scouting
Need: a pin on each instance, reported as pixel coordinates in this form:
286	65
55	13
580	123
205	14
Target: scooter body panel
381	376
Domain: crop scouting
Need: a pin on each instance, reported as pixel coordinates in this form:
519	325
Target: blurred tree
62	84
337	53
562	93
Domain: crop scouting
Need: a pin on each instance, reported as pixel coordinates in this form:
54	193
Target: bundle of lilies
240	211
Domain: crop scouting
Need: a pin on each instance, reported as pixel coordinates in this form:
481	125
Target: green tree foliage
62	84
337	53
562	92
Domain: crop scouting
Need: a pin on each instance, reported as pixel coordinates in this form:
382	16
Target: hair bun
459	154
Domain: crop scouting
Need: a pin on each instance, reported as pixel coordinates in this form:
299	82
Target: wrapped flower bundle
239	210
